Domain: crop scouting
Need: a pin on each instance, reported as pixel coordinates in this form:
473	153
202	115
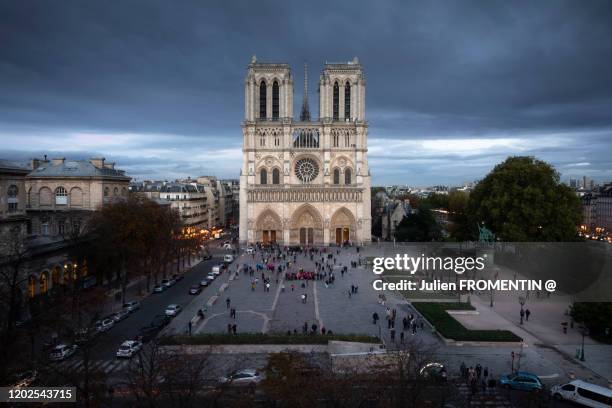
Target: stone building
394	212
303	181
189	201
13	221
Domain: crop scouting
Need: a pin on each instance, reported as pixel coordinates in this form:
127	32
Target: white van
216	270
228	258
583	393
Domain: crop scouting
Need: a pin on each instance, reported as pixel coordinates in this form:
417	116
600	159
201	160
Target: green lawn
450	328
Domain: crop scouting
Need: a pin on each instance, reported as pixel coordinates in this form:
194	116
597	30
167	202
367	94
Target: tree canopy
522	200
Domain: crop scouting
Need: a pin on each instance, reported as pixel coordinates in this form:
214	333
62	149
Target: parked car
204	282
147	333
583	393
206	256
159	288
250	250
129	348
168	282
211	277
131	306
217	269
177	277
227	245
521	380
62	351
228	258
195	290
242	378
173	310
104	325
24	379
120	315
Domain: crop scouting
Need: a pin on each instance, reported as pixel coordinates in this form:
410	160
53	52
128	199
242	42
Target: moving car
120	315
583	393
131	306
228	258
159	288
242	378
434	371
204	282
173	310
521	380
129	348
104	325
62	352
195	290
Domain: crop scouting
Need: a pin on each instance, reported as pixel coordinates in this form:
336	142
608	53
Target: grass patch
450	328
260	338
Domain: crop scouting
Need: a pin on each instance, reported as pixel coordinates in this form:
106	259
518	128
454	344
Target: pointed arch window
347	101
263	176
336	101
347	176
275	100
336	176
263	97
275	176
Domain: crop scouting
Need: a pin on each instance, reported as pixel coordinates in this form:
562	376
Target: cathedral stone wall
305	182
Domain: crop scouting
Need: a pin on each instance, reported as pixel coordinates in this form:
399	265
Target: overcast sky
453	87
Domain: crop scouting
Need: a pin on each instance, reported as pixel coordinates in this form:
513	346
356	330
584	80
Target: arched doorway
55	276
268	227
306	226
31	286
342	226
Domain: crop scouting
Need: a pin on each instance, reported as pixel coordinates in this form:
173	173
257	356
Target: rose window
306	170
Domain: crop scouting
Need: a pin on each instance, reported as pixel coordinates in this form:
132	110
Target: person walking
527	314
402	337
392	335
227	303
234	328
374	317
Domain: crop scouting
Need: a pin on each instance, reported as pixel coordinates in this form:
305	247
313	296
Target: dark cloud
435	70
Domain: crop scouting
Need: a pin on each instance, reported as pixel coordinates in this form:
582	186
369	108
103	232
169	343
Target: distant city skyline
452	89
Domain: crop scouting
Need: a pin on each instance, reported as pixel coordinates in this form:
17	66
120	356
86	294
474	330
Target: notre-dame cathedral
304	181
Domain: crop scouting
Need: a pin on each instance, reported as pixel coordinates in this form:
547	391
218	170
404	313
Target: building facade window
263	99
106	191
275	100
336	176
263	176
347	176
61	196
336	101
275	176
347	101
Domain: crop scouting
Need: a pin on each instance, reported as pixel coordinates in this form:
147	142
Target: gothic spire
305	114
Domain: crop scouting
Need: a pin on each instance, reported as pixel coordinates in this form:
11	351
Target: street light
585	332
522	300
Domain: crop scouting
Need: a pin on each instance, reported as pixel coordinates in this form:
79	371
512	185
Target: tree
596	316
522	200
419	227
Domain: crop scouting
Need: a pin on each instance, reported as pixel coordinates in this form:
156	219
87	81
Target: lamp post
585	332
522	300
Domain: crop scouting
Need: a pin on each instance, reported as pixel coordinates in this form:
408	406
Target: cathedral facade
304	182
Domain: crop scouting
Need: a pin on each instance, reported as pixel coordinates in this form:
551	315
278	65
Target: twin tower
305	182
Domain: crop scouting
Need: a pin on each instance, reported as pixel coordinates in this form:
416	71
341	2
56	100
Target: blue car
521	380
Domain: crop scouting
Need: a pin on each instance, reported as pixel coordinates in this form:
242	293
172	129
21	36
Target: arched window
31	286
44	283
336	101
336	176
55	275
263	176
275	100
106	191
347	100
263	98
275	176
115	192
61	196
347	176
13	201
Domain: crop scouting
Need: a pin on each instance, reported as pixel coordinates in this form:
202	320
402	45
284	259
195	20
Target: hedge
450	328
260	338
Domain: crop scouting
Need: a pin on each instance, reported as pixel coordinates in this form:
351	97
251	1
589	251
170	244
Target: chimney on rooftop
110	165
58	161
97	161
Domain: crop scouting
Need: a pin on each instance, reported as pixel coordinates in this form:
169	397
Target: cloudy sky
453	87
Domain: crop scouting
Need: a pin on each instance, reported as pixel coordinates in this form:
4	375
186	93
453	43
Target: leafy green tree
523	200
419	227
597	317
